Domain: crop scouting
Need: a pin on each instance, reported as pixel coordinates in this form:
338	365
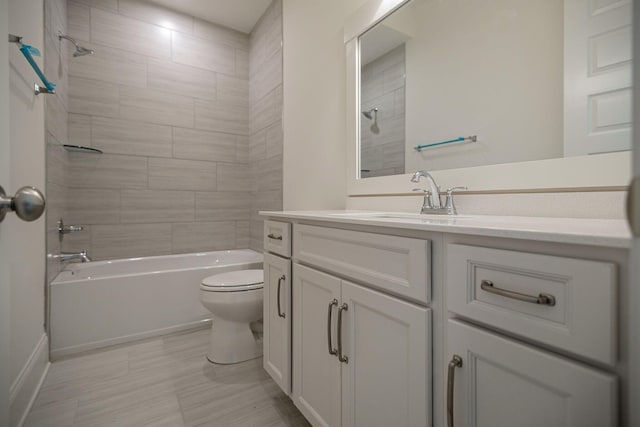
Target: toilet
235	300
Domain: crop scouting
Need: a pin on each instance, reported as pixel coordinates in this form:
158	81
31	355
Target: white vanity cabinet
277	304
360	357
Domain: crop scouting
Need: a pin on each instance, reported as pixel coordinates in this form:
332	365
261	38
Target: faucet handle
422	190
451	190
449	205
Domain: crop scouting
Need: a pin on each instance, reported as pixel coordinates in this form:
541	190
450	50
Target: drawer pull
456	362
332	351
274	237
543	299
280	280
341	356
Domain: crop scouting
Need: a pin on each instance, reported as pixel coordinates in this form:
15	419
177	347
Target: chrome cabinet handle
280	280
332	351
274	237
341	356
543	299
28	203
456	362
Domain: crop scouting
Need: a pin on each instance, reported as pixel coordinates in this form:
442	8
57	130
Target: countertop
612	233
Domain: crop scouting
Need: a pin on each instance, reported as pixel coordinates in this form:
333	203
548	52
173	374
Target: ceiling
240	15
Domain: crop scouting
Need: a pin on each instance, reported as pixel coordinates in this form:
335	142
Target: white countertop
613	233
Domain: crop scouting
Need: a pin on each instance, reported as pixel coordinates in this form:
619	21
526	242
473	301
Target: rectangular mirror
461	85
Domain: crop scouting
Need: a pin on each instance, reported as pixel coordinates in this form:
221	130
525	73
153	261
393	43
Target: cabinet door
277	320
504	383
316	372
386	380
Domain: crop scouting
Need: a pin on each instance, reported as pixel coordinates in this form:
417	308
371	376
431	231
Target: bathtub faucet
68	256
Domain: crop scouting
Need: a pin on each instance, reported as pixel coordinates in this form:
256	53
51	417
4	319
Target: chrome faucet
432	203
68	256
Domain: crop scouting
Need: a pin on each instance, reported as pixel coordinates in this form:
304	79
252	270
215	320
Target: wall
265	118
166	97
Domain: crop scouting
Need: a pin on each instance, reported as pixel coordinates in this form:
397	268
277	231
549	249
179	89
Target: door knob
28	203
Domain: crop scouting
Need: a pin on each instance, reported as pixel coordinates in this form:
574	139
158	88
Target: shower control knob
28	203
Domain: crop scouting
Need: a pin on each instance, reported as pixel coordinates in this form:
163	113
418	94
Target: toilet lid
233	281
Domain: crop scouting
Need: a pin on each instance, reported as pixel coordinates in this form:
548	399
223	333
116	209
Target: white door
386	379
277	320
597	87
316	372
5	249
503	383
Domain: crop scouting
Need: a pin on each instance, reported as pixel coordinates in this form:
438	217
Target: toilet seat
234	281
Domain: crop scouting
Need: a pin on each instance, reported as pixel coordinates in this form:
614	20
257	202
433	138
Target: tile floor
164	381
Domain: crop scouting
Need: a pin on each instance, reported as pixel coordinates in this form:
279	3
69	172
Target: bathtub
103	303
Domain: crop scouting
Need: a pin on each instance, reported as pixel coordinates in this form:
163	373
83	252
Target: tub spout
68	256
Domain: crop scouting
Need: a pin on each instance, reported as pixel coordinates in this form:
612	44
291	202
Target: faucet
432	203
68	256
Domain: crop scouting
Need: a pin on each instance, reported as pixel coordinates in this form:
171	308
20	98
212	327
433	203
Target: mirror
494	82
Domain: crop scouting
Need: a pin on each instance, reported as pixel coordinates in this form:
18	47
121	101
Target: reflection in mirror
531	80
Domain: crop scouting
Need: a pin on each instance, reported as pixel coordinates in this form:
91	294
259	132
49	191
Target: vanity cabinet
360	357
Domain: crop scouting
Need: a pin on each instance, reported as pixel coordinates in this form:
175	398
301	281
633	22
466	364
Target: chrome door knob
28	203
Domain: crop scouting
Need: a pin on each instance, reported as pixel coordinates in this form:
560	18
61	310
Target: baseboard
25	388
67	351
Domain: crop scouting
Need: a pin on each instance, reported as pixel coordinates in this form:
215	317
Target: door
5	164
277	320
316	372
503	383
386	380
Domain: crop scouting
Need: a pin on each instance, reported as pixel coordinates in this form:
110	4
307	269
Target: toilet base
232	342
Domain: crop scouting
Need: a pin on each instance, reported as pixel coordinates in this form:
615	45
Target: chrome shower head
371	113
80	50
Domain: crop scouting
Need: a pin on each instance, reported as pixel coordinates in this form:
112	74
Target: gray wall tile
148	206
89	206
156	15
181	79
204	145
217	206
233	177
79	21
209	31
155	107
221	117
93	97
107	171
129	240
201	53
111	65
204	236
116	136
80	130
174	174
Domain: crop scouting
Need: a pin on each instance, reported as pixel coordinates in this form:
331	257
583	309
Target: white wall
314	103
27	263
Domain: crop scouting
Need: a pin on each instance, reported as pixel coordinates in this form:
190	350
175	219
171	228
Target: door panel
387	378
277	329
316	373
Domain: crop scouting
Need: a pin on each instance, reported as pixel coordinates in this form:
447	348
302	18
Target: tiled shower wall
383	87
166	97
265	95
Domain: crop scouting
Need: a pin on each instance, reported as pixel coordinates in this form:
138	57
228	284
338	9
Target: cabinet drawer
581	319
399	265
277	238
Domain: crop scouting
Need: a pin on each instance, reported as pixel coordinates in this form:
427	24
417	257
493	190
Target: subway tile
232	91
156	15
174	174
130	240
80	130
79	21
125	33
93	97
148	206
101	4
203	145
204	236
217	206
116	136
233	177
181	79
220	117
88	170
196	52
155	107
243	234
220	34
89	206
111	65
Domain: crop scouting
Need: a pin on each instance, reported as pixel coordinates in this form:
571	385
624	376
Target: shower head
371	113
80	50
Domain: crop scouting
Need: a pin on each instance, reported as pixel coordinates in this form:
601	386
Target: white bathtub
103	303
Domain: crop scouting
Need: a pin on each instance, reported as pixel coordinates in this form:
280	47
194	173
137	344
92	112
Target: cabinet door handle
456	362
332	351
543	299
341	356
274	237
280	280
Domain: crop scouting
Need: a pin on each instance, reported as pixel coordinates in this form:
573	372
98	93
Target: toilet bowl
235	300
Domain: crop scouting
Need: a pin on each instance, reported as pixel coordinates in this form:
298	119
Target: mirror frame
598	172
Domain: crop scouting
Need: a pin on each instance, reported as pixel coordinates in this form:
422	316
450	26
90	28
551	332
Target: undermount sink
397	215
